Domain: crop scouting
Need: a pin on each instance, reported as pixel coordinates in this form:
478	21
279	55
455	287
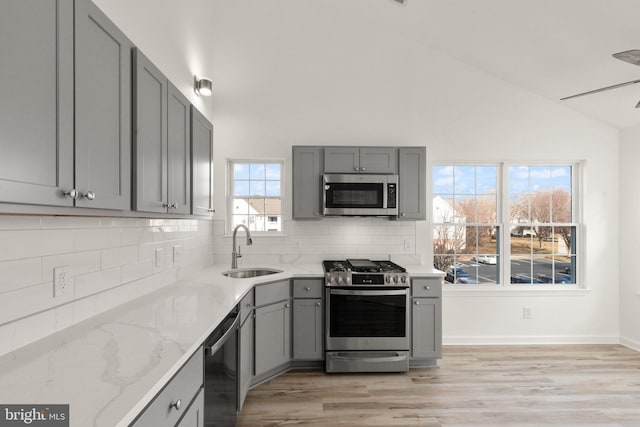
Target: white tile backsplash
110	262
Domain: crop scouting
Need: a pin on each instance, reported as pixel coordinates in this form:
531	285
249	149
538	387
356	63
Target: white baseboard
529	340
632	344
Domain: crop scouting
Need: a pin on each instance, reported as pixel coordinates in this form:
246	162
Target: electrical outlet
61	281
526	312
177	253
408	246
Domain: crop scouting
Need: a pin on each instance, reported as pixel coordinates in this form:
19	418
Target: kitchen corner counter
109	367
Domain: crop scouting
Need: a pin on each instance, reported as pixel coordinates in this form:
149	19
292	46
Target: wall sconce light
202	86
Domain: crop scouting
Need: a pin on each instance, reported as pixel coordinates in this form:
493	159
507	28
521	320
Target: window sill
514	291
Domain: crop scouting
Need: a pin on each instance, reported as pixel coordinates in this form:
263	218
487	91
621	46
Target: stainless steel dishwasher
221	373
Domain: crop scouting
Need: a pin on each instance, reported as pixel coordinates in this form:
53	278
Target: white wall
300	72
629	208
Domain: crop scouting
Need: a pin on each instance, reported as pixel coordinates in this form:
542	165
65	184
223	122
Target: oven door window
355	195
367	314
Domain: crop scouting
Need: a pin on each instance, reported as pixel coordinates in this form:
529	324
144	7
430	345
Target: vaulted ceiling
554	48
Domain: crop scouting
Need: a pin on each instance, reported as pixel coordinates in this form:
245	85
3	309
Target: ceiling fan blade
630	56
602	89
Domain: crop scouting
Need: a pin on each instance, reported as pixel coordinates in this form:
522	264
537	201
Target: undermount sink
244	273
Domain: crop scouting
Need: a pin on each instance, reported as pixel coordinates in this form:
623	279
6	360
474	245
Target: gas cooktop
364	272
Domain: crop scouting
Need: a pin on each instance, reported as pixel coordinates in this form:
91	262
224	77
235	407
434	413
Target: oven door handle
369	293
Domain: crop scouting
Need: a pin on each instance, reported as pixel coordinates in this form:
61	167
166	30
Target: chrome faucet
236	254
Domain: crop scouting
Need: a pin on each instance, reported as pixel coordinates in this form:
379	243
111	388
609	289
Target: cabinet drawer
183	387
272	292
426	287
308	288
246	305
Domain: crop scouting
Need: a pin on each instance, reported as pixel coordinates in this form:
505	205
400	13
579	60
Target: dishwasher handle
210	350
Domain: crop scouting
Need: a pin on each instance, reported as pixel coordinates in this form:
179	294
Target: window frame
504	238
230	189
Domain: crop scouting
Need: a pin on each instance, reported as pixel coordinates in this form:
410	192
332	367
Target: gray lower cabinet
307	174
162	141
272	326
180	393
307	329
103	111
201	164
246	338
426	318
272	336
308	319
194	417
412	183
383	160
91	99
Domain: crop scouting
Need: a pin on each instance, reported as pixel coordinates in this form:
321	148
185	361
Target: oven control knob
340	280
395	279
403	279
387	279
347	280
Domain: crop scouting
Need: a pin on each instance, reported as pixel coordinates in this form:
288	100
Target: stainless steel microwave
360	195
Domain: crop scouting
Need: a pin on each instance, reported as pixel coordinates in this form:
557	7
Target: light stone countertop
108	368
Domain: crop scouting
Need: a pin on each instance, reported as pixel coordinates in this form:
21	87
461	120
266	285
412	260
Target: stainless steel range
367	314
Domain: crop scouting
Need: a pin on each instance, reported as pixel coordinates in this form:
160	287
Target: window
465	228
255	195
543	238
516	230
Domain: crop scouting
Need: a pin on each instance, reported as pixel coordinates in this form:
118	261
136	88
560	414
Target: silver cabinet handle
89	195
72	194
417	302
174	206
177	404
248	305
402	214
318	304
308	289
357	169
363	169
428	288
287	305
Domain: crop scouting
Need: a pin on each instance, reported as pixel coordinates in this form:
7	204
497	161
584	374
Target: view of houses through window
256	195
540	245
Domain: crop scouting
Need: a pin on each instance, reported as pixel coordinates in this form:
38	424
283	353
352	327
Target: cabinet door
194	417
246	359
307	174
273	336
379	160
341	160
201	164
103	111
307	329
179	155
426	328
36	105
150	136
412	183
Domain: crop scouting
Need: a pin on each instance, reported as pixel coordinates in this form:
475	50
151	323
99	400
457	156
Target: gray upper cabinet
383	160
179	155
307	172
36	106
103	111
162	142
412	183
201	164
150	136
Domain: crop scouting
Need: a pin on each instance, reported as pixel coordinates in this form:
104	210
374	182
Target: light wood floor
576	385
